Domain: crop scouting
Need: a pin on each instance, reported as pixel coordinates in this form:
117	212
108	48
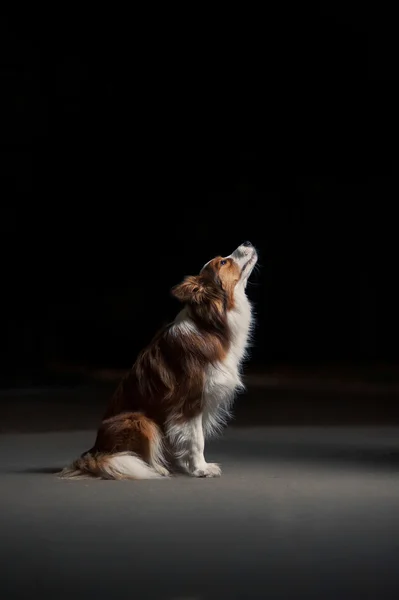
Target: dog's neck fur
239	321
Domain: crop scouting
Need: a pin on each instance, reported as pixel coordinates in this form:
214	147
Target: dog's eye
223	262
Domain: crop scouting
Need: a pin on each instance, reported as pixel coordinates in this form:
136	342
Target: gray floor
299	513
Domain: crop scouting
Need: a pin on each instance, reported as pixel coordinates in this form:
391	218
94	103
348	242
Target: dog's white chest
226	374
224	379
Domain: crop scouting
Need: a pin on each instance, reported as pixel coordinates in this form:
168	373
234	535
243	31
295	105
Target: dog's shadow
42	470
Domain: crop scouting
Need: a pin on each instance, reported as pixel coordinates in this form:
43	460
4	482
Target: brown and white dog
181	386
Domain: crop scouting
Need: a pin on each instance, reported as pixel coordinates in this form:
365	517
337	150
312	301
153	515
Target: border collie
180	389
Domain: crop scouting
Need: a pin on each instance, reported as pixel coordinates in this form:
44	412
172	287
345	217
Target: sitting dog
181	387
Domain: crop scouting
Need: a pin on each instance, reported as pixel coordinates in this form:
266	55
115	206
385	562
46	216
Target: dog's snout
247	243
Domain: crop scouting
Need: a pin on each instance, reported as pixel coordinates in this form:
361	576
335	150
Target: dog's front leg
187	440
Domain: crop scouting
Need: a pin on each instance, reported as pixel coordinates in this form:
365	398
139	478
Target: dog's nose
247	243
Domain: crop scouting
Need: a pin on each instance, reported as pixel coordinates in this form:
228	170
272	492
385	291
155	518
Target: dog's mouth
250	262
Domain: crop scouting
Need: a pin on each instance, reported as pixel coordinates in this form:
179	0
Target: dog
181	387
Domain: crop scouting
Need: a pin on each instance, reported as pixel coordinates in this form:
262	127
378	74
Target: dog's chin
249	266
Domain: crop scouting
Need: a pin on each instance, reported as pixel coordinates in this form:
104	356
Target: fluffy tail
121	465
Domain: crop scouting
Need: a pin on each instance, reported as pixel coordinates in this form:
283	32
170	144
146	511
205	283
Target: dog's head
219	279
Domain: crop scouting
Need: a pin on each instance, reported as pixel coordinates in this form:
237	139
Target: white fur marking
128	466
188	444
183	324
157	459
223	380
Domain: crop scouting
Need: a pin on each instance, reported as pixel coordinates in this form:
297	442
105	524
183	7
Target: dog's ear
191	291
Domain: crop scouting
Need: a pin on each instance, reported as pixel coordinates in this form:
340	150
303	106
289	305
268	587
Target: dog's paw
208	470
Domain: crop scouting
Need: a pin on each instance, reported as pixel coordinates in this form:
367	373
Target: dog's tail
121	465
128	446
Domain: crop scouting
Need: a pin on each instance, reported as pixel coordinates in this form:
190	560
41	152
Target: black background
138	144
